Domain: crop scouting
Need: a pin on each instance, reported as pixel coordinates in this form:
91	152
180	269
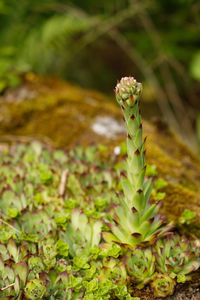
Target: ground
63	115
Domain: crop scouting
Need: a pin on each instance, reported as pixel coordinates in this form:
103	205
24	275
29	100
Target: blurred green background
94	43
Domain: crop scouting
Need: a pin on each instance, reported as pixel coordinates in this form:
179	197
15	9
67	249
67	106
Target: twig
7	287
170	87
148	73
4	222
25	139
181	112
180	70
63	182
103	27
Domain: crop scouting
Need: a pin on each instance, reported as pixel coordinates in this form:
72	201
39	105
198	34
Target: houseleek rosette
163	285
13	269
136	220
140	266
114	270
177	255
82	234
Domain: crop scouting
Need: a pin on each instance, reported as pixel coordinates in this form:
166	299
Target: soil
189	290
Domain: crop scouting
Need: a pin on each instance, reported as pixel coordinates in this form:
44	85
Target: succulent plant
35	289
163	285
36	265
48	251
136	220
36	259
177	255
57	288
187	216
113	269
140	265
82	234
13	269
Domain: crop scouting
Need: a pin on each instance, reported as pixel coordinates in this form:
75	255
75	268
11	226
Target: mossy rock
63	115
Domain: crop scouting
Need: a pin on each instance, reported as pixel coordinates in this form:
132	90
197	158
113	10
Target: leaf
91	285
17	285
12	212
4	252
74	185
81	262
151	170
12	249
29	237
62	248
21	269
159	183
8	273
195	66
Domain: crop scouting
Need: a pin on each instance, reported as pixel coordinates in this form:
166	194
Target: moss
62	115
61	112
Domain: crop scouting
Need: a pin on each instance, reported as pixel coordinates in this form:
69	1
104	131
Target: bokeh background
95	43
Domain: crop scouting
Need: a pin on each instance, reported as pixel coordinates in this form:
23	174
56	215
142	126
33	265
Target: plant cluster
64	234
50	244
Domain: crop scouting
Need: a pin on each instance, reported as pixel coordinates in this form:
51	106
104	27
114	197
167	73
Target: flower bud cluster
128	90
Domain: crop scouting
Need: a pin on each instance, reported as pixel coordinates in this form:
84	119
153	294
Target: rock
63	115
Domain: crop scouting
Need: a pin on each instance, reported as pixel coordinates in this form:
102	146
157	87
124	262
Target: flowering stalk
136	220
127	95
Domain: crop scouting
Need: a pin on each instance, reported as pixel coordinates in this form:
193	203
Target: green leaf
181	278
12	249
35	264
89	273
4	252
151	170
13	212
195	66
46	177
81	262
5	235
91	285
159	183
29	237
123	148
60	219
159	196
75	282
21	270
9	273
62	248
187	216
74	185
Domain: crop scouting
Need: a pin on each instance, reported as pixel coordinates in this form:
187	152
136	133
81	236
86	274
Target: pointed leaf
12	249
21	269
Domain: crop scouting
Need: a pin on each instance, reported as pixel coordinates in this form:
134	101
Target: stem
7	287
128	92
